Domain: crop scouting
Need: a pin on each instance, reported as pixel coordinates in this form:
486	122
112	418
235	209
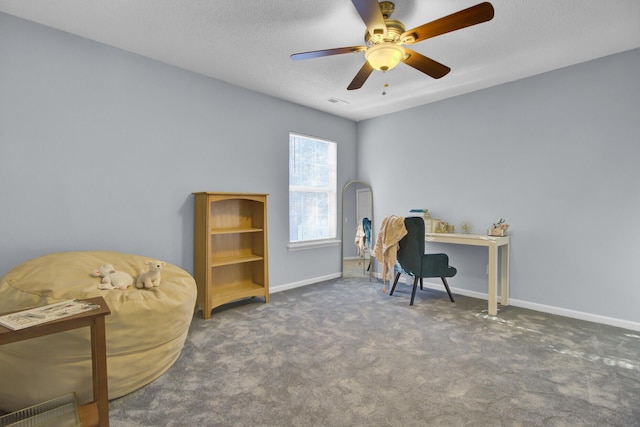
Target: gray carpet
342	353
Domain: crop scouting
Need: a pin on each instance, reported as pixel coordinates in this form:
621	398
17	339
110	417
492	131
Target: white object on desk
493	243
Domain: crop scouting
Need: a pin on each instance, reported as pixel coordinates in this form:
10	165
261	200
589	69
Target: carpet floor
342	353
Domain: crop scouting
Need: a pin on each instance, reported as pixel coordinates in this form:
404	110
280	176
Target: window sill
301	246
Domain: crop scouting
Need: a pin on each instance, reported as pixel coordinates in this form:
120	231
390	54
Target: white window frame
331	190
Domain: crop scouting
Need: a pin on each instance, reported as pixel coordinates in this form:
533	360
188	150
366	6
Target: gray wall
101	149
557	155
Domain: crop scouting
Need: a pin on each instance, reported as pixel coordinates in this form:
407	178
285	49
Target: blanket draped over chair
392	230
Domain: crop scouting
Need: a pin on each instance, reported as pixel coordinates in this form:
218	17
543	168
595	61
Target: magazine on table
46	313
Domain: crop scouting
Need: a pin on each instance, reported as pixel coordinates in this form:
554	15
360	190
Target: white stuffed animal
151	278
112	279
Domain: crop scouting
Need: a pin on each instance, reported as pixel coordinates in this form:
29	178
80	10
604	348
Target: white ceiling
248	42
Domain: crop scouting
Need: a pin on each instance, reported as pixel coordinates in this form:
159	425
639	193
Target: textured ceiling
248	42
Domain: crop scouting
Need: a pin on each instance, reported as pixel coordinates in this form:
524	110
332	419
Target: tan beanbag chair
145	331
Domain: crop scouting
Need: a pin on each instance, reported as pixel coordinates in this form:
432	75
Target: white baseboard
589	317
612	321
287	286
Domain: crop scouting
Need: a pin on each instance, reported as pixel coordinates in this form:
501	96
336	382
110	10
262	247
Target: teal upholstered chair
416	263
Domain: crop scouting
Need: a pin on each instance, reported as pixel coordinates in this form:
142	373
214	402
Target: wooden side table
96	412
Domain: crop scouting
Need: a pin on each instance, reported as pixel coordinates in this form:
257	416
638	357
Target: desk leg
493	280
504	275
99	364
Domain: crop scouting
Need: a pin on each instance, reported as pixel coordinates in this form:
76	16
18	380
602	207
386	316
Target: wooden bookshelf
230	248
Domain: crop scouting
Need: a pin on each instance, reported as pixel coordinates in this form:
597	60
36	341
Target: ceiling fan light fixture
384	56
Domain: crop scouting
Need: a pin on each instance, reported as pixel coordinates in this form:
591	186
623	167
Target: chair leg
395	282
413	293
446	285
421	288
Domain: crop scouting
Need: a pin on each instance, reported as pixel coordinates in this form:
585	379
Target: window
312	190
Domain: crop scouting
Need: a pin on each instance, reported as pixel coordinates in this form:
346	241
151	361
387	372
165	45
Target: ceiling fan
385	39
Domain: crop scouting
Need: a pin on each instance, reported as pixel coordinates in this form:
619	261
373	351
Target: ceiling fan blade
361	77
465	18
326	52
426	65
369	11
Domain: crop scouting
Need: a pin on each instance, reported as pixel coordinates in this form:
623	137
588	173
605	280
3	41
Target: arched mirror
357	230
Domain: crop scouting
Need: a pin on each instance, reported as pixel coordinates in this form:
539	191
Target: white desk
493	243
